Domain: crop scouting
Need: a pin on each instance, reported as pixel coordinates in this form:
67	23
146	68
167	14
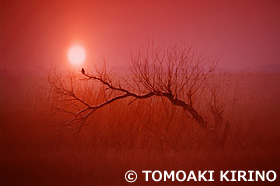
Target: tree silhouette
176	73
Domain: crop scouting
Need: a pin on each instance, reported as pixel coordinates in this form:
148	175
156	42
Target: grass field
148	134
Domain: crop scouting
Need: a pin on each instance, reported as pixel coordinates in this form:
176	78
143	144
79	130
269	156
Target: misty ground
36	151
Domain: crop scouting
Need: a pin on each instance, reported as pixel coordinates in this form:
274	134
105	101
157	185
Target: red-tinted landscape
187	86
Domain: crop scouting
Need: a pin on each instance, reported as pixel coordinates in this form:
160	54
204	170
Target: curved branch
175	101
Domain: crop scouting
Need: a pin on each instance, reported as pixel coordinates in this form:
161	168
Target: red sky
35	34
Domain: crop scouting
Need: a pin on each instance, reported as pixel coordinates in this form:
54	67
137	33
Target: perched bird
83	70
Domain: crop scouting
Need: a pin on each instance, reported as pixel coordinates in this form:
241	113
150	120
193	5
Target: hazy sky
35	34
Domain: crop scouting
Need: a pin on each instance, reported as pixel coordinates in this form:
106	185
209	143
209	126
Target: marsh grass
148	134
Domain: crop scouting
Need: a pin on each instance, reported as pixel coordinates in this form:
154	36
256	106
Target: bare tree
176	73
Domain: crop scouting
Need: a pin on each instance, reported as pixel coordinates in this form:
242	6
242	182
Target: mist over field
120	137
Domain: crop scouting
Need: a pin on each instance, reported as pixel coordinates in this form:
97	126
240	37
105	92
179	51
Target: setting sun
76	55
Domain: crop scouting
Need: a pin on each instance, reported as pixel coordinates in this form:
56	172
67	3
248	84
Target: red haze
35	34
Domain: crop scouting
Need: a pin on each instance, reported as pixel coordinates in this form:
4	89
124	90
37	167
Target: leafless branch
176	73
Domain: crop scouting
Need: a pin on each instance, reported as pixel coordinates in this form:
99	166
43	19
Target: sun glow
76	55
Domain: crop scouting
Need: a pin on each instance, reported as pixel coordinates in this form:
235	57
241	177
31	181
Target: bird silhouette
83	70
